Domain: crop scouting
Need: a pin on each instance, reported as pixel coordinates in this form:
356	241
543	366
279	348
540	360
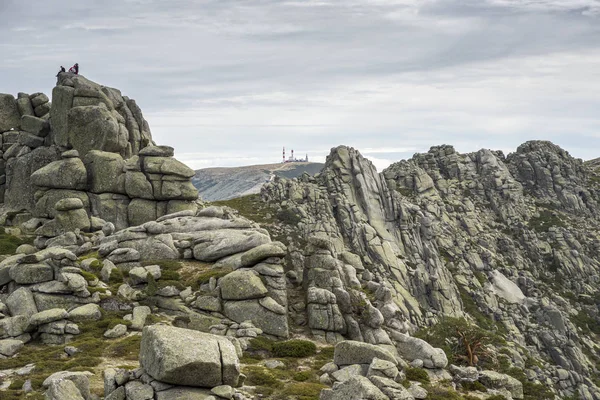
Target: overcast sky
231	82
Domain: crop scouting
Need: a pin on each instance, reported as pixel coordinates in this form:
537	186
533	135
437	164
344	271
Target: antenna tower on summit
284	154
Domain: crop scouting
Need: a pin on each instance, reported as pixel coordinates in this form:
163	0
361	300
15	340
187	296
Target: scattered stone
116	332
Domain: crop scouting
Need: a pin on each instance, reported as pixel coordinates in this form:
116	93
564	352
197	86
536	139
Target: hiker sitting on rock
74	69
62	69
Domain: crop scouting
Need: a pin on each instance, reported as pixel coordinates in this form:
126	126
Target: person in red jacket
74	69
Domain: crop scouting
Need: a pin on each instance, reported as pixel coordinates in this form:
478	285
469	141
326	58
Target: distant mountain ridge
227	183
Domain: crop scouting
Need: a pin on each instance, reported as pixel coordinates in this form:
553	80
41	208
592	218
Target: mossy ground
9	243
251	207
94	352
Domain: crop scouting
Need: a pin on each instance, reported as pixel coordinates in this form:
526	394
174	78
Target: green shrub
88	276
294	348
151	287
417	375
326	353
288	216
545	220
496	397
471	386
17	384
303	376
169	275
116	276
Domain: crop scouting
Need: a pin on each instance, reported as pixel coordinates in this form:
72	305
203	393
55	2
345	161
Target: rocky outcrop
450	235
93	144
178	363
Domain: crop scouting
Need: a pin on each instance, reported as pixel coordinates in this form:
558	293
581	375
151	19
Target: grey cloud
248	77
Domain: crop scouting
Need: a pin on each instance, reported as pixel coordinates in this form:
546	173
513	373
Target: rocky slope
508	242
227	183
447	276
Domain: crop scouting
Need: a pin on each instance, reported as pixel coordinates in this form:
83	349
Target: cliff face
93	144
513	239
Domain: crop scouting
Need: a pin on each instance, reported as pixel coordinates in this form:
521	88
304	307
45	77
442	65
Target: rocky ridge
508	241
216	184
92	144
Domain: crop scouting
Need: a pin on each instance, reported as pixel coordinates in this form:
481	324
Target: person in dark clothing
62	69
74	69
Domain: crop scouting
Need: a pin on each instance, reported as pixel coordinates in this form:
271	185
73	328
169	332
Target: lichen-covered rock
357	387
411	348
242	285
185	357
350	352
69	173
496	380
9	113
105	172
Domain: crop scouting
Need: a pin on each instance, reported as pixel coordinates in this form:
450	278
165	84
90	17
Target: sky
229	83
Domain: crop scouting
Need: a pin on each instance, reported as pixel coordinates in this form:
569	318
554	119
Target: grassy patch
93	349
303	376
545	220
300	391
586	322
216	273
261	376
251	207
9	243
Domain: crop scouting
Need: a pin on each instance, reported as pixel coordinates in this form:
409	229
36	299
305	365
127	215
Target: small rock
118	331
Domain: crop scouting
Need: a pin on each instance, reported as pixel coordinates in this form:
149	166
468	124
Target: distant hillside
227	183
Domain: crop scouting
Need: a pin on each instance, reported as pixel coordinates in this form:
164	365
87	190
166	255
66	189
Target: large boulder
63	390
95	128
190	358
269	321
62	99
111	207
21	302
242	285
357	387
19	188
69	173
411	348
37	126
350	352
213	245
31	273
167	166
140	211
105	172
9	113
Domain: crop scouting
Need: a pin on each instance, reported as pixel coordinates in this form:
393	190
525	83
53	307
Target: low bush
417	375
294	348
